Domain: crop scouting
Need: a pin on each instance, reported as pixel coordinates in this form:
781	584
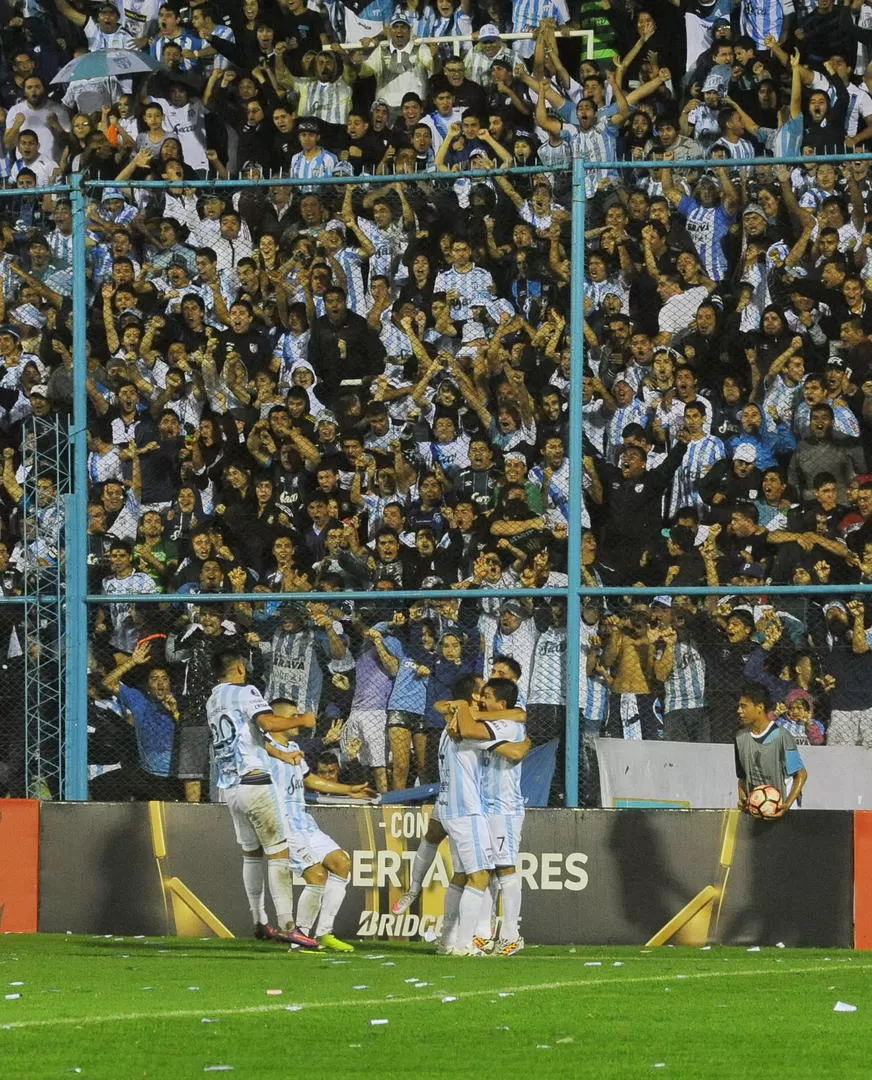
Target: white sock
511	884
470	908
422	862
449	918
281	890
308	907
334	894
485	926
252	878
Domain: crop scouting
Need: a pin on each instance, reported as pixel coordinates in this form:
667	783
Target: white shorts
505	834
310	849
370	726
257	817
470	843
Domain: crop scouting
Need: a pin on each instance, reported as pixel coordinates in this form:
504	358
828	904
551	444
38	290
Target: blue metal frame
76	742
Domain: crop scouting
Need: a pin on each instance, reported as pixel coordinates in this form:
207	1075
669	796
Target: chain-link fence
303	398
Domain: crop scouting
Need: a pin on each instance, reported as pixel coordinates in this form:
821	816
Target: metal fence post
76	735
572	751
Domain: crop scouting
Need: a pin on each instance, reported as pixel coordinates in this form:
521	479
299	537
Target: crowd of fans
365	386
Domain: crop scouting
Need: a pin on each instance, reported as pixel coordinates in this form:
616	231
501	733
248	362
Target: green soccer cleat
332	944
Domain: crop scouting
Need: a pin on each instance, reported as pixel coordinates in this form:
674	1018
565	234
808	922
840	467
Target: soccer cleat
401	906
265	932
471	951
297	937
332	944
509	948
442	949
484	944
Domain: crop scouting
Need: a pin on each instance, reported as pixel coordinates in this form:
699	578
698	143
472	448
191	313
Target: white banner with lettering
703	775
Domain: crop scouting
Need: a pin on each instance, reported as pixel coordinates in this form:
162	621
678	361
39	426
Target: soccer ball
764	801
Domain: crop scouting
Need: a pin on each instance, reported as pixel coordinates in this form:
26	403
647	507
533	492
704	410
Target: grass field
169	1008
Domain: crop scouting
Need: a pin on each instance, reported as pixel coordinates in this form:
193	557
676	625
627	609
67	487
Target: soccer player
503	805
324	866
509	670
461	813
765	752
238	715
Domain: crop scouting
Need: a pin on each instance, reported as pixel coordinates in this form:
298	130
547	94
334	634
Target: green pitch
119	1008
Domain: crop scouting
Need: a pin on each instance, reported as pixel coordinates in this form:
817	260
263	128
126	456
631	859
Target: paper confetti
448	998
193	987
389	963
209	1020
354	1046
565	1039
420	985
16	984
507	993
218	1068
573	950
593	963
270	993
705	948
378	956
754	948
429	935
377	1023
843	1006
12	997
293	1008
416	979
543	1046
618	963
361	987
503	1027
779	945
659	1064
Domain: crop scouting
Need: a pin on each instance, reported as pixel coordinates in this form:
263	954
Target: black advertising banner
589	877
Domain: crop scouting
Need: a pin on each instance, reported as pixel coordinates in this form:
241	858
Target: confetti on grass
843	1006
378	1023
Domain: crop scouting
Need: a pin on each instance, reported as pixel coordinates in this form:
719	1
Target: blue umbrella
106	63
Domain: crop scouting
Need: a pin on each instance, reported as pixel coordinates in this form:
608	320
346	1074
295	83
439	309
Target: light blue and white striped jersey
329	101
635	413
698	459
237	741
594	144
421	19
844	421
548	675
707	226
684	687
355	290
501	778
289	779
221	63
593	692
742	148
459	778
186	41
528	14
473	287
762	17
322	164
786	140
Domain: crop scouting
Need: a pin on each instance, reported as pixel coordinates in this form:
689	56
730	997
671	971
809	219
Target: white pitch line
255	1010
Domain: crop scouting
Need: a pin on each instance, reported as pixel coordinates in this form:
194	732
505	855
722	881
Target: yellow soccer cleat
332	944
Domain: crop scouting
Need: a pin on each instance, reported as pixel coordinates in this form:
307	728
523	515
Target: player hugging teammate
264	776
481	809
